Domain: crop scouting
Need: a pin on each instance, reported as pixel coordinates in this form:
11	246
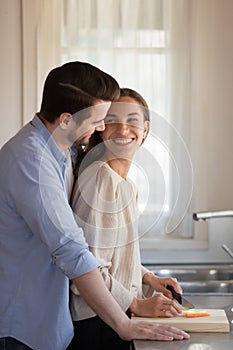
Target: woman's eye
109	121
133	121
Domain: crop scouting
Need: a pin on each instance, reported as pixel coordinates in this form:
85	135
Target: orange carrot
200	314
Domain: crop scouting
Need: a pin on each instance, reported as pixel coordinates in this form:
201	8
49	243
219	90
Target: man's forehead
99	108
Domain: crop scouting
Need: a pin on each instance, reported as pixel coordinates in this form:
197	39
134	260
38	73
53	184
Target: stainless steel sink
195	273
199	279
213	287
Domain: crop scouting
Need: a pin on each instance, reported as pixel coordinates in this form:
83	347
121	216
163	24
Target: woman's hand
160	284
156	306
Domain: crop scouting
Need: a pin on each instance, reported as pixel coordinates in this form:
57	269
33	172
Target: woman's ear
146	129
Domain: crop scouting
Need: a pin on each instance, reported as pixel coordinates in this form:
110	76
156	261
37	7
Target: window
146	45
133	50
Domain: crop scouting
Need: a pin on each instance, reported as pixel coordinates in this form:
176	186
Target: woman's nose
123	127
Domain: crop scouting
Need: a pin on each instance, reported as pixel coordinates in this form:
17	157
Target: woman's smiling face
125	127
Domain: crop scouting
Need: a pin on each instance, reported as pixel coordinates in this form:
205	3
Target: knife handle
175	295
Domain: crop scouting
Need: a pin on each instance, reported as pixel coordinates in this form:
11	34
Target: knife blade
180	299
185	303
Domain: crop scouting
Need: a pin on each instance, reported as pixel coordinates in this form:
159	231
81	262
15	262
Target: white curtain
147	45
41	42
48	33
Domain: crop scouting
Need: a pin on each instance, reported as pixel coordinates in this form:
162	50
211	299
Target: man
41	246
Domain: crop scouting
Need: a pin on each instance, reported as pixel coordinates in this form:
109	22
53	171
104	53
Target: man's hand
152	331
91	286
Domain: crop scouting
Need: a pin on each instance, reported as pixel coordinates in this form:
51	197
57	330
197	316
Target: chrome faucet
206	215
227	250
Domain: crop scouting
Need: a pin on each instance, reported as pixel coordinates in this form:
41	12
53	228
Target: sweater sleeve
147	291
99	203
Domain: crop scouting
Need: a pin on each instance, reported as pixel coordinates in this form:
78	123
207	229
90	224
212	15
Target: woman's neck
120	165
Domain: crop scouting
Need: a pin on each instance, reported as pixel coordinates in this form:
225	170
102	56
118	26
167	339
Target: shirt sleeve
37	195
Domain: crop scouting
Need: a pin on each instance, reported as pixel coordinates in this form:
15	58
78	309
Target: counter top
199	341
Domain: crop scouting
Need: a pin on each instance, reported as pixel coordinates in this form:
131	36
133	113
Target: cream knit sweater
105	206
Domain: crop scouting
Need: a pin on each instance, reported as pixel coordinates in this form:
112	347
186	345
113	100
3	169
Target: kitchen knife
181	300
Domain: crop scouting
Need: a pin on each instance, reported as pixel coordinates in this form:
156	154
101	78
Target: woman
105	205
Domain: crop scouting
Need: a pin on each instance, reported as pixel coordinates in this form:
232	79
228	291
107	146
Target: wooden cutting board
216	322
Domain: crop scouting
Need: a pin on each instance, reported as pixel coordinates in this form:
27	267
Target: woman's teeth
122	141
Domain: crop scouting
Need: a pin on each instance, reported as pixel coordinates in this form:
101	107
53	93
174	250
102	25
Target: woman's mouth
122	141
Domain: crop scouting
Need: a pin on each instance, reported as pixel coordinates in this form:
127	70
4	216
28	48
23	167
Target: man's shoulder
27	141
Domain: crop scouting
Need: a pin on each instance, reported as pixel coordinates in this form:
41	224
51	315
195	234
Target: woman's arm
99	199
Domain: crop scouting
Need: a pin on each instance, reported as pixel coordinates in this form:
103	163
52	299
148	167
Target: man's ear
65	120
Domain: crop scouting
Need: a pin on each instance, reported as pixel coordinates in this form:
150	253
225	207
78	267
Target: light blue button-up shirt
41	246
